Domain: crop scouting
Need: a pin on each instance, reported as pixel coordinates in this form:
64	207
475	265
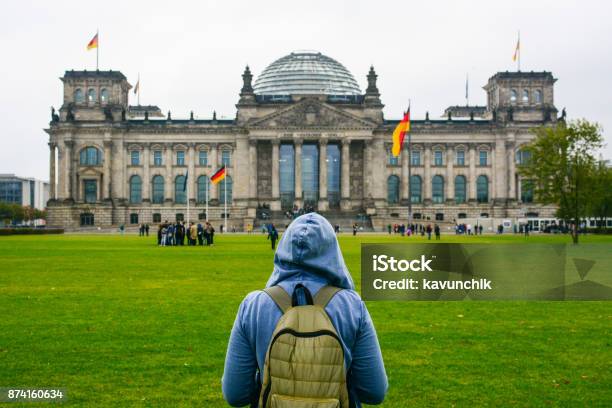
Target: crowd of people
415	229
173	234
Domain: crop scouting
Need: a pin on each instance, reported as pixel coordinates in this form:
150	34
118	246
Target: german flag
93	43
398	134
218	176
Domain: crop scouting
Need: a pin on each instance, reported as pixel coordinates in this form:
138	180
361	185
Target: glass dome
306	72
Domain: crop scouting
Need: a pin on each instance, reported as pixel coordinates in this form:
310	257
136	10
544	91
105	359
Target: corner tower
521	96
94	96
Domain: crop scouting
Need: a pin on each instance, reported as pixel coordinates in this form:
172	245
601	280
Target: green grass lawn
120	322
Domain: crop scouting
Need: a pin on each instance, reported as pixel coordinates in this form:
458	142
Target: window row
438	158
92	156
180	190
437	189
526	96
179	158
79	95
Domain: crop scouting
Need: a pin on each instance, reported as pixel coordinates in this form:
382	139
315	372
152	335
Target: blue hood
310	247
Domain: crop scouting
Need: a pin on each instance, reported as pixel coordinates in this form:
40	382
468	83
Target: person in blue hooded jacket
308	253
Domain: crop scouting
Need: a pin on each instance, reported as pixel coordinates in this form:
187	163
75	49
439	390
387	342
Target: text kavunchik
427	284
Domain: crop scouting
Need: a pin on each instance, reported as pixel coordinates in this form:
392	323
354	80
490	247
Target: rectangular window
133	218
226	156
438	158
135	155
180	217
11	192
91	191
156	217
482	158
392	160
87	219
460	158
180	158
203	158
416	157
157	158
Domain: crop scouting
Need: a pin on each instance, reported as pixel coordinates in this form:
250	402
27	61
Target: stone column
472	173
123	182
427	175
191	157
61	172
450	179
275	170
345	176
146	182
253	169
501	170
298	171
214	188
404	176
168	179
51	171
107	178
512	172
323	203
70	172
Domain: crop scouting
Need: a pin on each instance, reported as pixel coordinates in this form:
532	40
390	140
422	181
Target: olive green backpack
304	365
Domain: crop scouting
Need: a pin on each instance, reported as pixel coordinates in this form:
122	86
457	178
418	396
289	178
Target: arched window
203	189
525	95
482	189
91	156
180	196
158	189
460	190
415	189
513	95
91	95
393	183
538	96
78	96
437	189
104	95
223	185
135	189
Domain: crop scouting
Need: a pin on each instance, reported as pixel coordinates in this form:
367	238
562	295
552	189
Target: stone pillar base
345	204
323	204
275	205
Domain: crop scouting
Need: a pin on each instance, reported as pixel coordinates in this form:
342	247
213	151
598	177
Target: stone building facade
304	135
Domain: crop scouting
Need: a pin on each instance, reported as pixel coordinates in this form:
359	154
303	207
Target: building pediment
312	113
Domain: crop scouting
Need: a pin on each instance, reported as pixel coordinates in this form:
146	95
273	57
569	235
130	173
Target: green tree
601	185
561	168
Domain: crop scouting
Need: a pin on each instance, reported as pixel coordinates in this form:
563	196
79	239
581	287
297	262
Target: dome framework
306	72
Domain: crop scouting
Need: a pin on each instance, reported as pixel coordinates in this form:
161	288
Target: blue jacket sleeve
239	375
367	374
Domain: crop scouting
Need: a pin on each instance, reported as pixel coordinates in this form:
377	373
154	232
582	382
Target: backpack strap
280	297
325	294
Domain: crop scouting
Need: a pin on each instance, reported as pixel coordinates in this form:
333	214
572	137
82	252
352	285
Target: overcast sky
190	55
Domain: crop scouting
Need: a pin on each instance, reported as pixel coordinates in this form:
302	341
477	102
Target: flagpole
139	89
207	188
187	181
519	51
409	173
225	202
467	98
97	49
